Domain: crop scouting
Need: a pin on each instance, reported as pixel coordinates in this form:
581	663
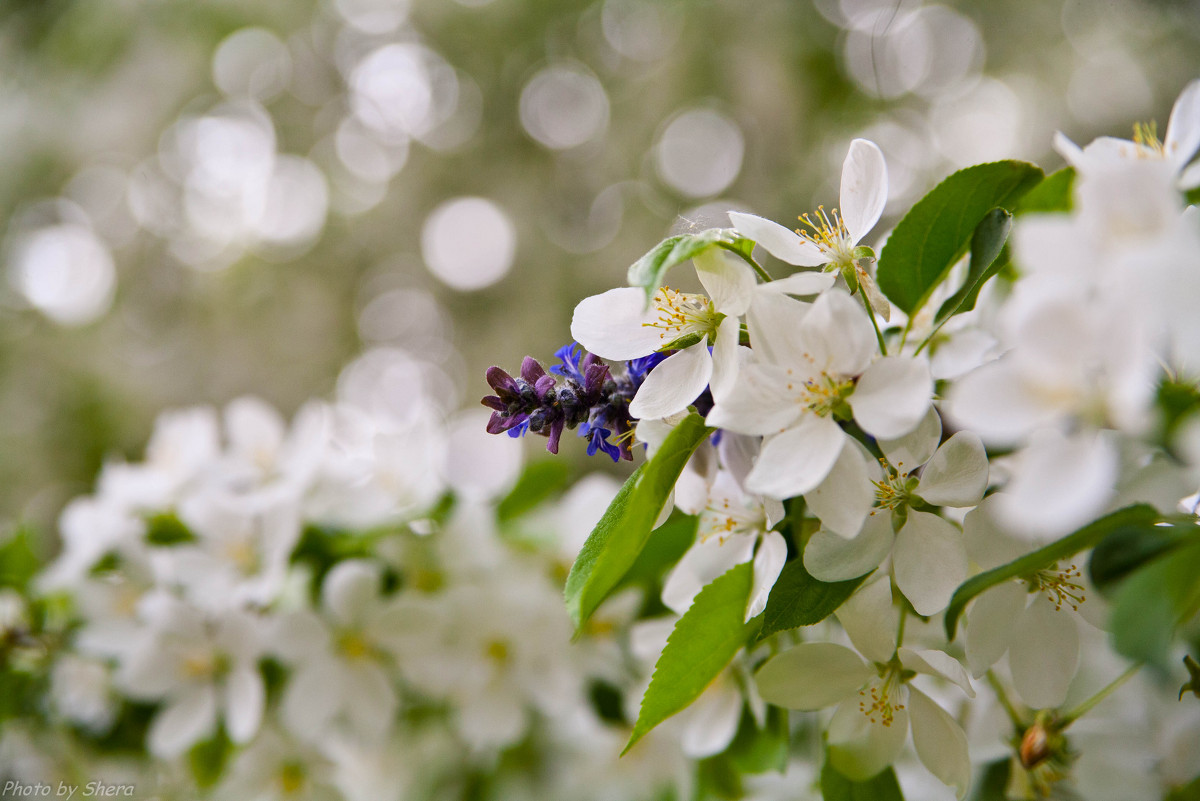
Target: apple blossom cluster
358	605
944	495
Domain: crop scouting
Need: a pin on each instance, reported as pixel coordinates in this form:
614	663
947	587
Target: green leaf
670	542
987	243
166	528
1053	194
1187	792
1153	602
622	533
937	230
756	750
798	599
648	271
539	481
18	561
1139	515
703	642
1130	547
207	759
881	787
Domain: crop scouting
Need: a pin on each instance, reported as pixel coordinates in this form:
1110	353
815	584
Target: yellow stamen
680	314
1059	586
828	232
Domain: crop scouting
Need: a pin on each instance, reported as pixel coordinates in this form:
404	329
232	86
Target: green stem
1081	710
929	338
763	274
1005	702
874	324
900	628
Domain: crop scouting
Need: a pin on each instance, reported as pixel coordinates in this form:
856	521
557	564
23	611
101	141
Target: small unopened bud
1035	746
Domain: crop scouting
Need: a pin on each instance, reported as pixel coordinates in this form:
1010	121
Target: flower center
822	395
828	232
883	697
1145	134
894	490
1060	586
723	519
354	645
291	777
681	315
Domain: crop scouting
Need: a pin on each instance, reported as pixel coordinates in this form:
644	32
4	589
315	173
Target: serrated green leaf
1153	602
987	243
702	643
937	230
1138	515
538	482
798	599
881	787
648	271
1053	194
622	533
670	542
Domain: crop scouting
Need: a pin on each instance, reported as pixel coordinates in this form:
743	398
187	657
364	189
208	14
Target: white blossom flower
929	558
876	704
734	527
202	668
342	659
618	324
831	239
813	363
1176	149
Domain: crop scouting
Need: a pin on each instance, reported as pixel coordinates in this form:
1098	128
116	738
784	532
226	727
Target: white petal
674	383
612	325
370	701
832	557
864	188
773	322
860	749
1059	484
1070	151
796	461
728	280
350	590
1044	654
958	473
492	719
993	402
929	560
1190	178
725	358
910	451
940	742
844	498
1183	129
312	697
759	402
703	563
768	562
710	723
813	675
780	242
802	283
244	699
893	396
184	722
870	619
991	621
937	663
837	336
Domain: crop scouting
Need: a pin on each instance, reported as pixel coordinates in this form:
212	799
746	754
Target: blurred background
202	200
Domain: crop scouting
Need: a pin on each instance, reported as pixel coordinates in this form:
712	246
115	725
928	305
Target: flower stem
763	274
900	628
1081	710
1002	695
874	324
